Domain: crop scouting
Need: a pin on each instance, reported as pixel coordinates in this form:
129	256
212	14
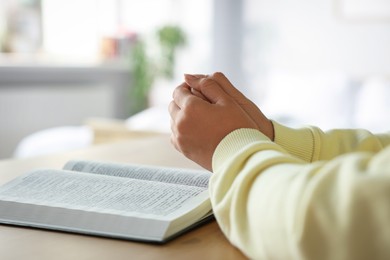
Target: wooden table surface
205	242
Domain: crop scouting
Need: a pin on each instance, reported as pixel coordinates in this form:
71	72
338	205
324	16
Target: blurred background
69	68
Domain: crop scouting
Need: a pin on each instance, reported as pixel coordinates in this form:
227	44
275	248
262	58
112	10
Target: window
75	29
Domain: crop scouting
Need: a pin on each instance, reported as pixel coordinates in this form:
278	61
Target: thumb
207	86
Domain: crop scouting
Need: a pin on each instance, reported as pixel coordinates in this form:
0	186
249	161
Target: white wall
303	34
304	59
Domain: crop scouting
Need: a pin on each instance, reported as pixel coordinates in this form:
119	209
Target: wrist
267	128
272	131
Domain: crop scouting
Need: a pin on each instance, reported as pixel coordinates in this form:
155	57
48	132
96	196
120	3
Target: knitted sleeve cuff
298	142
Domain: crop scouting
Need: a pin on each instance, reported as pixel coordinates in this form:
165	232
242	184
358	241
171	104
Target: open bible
134	202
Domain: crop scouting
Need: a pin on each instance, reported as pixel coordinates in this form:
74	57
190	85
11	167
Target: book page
169	175
130	197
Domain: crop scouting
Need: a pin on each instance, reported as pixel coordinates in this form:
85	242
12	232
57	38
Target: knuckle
181	127
174	143
181	143
172	126
171	106
206	83
175	92
188	104
189	112
217	75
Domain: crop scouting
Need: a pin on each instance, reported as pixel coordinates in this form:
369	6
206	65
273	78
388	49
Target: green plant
170	37
142	71
145	69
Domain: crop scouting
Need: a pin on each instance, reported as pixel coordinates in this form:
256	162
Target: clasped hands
204	110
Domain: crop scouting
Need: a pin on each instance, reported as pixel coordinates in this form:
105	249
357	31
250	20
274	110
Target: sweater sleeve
312	144
273	205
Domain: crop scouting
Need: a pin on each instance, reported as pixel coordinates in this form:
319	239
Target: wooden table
205	242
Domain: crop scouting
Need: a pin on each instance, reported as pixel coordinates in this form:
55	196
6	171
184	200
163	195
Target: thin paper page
168	175
101	193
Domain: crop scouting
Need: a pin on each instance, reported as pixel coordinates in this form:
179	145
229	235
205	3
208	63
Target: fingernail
189	78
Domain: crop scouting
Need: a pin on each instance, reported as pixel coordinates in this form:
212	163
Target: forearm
275	206
312	144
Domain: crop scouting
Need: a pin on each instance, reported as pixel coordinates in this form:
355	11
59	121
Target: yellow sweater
308	195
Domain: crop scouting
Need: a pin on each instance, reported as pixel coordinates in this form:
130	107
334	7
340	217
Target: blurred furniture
150	122
39	94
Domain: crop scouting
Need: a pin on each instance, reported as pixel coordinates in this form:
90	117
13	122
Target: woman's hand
201	119
264	125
